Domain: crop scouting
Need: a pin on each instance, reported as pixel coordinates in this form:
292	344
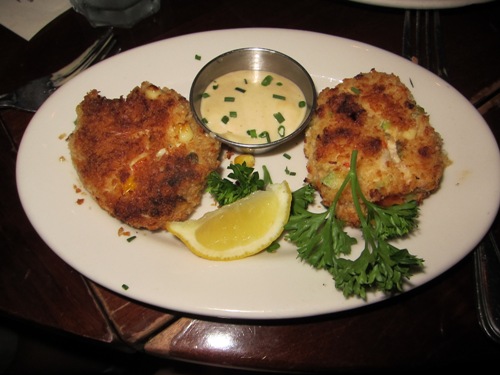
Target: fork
422	44
487	266
422	40
31	96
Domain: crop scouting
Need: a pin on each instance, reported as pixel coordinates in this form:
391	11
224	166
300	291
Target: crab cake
400	155
143	158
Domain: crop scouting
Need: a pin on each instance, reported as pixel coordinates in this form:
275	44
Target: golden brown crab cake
143	158
400	155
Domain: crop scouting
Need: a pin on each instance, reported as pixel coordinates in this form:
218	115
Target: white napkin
27	17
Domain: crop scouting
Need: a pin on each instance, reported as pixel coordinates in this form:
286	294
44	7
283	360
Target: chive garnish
124	286
287	156
225	119
233	114
281	131
205	95
197	57
205	121
279	84
252	133
279	117
240	89
130	239
302	104
290	173
280	97
266	135
229	99
267	80
215	87
355	90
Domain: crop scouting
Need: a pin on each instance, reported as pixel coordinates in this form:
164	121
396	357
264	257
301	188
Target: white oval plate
159	270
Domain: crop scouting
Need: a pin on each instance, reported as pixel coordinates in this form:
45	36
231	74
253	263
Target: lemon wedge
240	229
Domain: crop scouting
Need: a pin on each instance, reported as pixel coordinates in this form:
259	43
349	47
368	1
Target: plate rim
203	311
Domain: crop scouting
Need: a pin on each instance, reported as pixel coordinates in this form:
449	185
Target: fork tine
427	44
422	40
407	36
439	46
98	50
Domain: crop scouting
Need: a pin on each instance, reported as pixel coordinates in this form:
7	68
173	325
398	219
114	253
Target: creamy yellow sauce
250	106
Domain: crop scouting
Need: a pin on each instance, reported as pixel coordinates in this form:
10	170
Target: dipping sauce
253	107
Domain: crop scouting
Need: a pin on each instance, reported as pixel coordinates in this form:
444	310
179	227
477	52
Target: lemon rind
182	229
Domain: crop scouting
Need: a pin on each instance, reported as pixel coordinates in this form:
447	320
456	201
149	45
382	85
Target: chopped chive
130	239
205	121
279	117
233	114
281	131
287	156
124	286
240	89
252	133
279	83
266	135
229	99
280	97
290	173
356	90
267	80
197	57
302	104
225	119
205	95
215	87
246	81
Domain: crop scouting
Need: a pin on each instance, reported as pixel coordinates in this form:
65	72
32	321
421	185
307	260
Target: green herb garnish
267	80
322	241
252	133
265	135
241	182
279	117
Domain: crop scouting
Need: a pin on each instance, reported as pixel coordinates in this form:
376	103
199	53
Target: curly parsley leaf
319	237
242	181
321	240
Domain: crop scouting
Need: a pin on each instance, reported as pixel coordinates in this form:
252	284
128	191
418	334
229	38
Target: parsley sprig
321	238
242	181
322	241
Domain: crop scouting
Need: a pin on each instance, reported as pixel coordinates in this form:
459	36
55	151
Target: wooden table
434	326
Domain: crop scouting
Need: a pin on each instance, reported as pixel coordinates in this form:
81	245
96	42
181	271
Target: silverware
422	44
487	271
422	40
31	96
